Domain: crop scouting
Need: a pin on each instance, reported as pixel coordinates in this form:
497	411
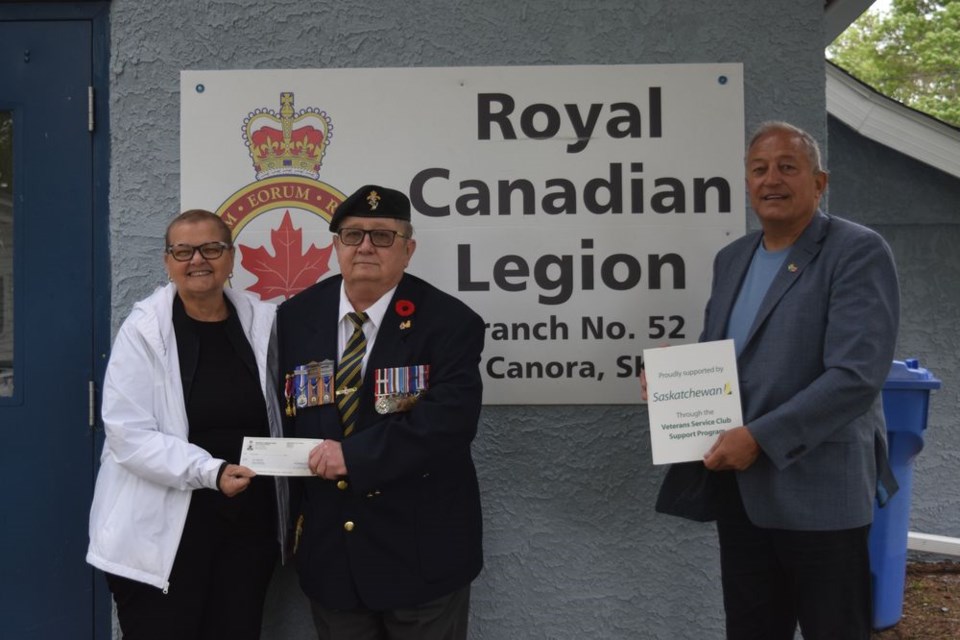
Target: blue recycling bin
906	400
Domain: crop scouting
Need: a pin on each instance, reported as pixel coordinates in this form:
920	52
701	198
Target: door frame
96	12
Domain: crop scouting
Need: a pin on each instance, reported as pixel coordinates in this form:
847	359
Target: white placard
576	208
693	395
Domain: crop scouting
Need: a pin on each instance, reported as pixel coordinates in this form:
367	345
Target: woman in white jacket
187	538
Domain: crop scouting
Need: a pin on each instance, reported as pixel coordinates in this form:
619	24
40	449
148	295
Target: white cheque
278	456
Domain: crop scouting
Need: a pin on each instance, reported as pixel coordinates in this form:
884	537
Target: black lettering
491	371
655	264
583	130
528	126
505	191
586	265
636	189
700	187
463	271
563	281
676	196
608	271
627	125
656	126
592	330
417	184
511	266
629	366
563	201
486	117
613	187
475	202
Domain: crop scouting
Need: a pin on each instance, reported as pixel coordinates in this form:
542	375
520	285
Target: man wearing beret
385	369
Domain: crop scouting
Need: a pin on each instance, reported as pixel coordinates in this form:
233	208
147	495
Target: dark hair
199	215
809	144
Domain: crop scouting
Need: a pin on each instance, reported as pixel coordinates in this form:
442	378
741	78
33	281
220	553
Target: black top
224	403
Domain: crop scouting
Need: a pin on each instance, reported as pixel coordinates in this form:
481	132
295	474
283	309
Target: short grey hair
194	216
809	143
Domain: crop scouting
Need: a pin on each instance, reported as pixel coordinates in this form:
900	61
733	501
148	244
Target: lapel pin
405	309
792	268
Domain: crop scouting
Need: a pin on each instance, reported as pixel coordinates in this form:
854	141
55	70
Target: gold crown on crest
287	143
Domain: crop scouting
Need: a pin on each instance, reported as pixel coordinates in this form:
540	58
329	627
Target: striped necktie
348	377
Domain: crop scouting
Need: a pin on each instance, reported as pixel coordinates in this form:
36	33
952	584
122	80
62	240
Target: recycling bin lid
908	374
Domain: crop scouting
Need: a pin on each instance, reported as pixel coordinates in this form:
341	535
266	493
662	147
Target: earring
231	275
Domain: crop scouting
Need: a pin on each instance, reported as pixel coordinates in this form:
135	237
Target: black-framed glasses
379	237
209	250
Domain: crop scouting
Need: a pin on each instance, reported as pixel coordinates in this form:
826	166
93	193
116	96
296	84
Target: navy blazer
811	372
412	492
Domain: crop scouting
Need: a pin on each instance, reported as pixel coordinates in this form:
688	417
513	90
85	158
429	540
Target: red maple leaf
289	271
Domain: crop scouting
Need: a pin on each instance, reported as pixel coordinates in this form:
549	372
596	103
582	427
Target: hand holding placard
693	395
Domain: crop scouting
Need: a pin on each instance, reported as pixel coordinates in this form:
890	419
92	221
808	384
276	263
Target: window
6	253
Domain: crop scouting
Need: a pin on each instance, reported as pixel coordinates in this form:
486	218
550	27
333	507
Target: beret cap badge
372	201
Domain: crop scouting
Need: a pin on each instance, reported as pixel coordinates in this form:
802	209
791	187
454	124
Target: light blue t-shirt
763	268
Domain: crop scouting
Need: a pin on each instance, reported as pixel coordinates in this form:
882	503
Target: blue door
48	367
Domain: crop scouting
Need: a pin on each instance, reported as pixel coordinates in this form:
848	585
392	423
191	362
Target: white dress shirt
374	319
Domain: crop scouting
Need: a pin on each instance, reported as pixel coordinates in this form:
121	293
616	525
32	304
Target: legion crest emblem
275	218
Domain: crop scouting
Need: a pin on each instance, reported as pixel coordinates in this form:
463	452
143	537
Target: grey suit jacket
811	372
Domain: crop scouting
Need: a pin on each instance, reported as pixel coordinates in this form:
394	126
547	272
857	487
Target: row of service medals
398	388
310	385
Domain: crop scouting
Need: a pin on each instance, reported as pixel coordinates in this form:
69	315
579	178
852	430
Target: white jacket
148	469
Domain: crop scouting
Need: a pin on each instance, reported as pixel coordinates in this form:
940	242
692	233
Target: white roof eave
888	122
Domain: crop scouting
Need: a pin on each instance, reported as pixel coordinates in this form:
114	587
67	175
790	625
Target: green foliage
911	53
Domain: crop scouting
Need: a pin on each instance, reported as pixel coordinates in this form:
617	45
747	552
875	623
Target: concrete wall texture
573	547
917	209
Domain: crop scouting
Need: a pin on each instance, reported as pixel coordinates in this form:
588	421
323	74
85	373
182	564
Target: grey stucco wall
573	548
917	209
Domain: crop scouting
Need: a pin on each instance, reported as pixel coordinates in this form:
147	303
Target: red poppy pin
404	309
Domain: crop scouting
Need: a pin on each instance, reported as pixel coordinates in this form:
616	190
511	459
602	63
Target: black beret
372	201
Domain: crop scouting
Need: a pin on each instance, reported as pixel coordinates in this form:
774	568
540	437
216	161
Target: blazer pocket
445	530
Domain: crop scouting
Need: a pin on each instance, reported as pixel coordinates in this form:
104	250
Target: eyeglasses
379	237
209	251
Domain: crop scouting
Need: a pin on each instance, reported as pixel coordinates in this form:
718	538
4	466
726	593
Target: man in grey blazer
812	304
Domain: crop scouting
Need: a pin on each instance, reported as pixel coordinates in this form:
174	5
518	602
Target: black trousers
774	579
217	587
442	619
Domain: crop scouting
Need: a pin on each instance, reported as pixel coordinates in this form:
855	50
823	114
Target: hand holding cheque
278	456
693	396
